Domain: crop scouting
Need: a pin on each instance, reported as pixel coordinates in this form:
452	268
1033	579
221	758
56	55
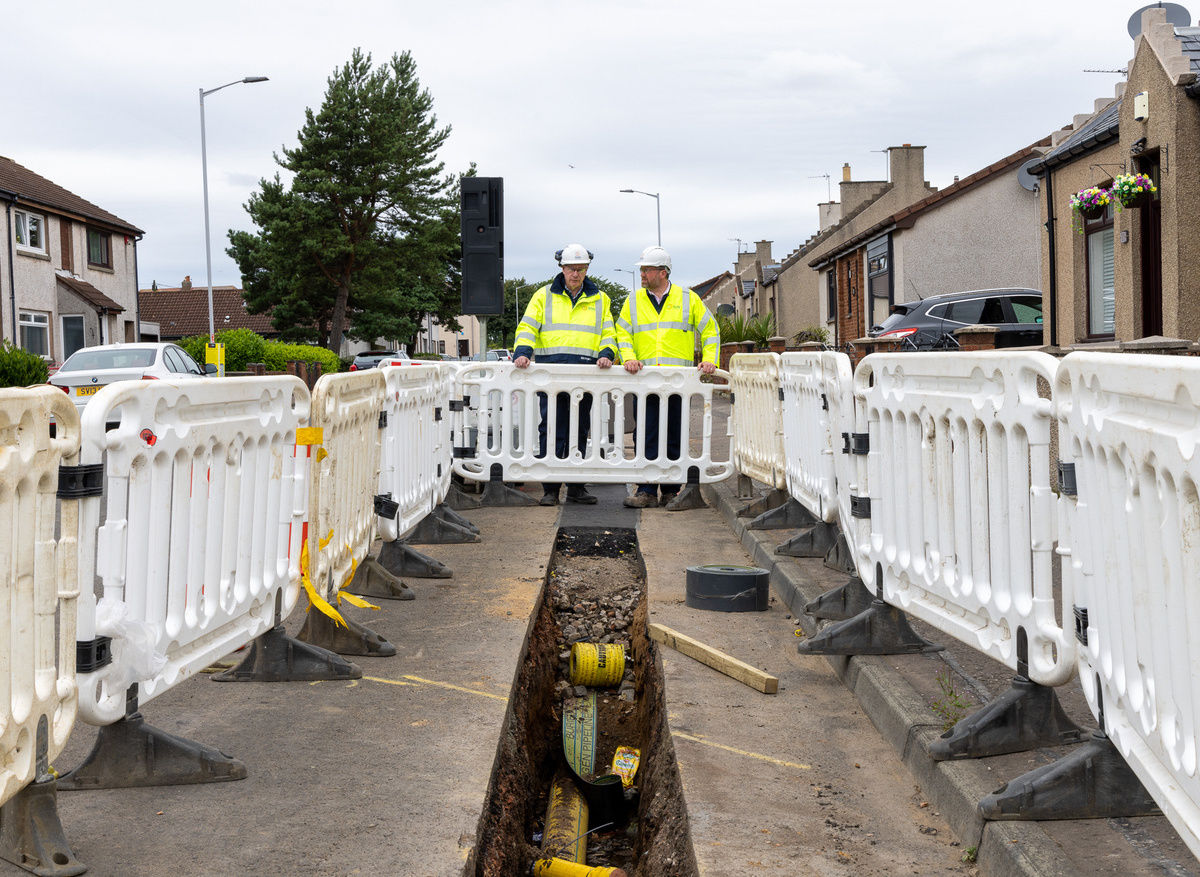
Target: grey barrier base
842	602
460	501
771	499
31	834
879	629
277	657
372	580
444	526
402	560
350	638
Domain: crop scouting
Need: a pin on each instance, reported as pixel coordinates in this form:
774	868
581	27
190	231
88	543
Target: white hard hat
655	257
573	254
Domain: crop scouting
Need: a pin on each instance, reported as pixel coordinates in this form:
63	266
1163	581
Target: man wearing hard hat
658	326
569	321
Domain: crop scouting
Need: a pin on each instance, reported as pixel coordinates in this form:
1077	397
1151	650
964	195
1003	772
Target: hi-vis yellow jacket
667	338
555	329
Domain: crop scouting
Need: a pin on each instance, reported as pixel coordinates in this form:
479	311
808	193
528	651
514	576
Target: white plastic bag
134	656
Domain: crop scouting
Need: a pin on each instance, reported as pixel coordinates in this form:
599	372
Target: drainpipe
11	198
137	301
1053	290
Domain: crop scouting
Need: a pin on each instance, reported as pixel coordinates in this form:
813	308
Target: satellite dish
1027	180
1177	16
725	310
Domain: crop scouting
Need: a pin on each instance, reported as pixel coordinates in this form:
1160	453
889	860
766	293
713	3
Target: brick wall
850	321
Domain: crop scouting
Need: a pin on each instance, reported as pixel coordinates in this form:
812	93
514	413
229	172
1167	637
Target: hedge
20	368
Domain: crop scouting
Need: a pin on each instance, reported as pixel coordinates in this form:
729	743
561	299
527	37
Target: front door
1151	254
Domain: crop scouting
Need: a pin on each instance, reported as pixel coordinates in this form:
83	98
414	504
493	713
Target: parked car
492	356
930	323
89	369
372	358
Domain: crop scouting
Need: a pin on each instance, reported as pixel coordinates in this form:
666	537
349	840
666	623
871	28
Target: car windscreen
96	360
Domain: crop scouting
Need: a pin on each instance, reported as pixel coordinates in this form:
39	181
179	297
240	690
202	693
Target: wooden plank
718	660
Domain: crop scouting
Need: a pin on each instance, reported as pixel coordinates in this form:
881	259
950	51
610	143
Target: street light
628	271
657	207
212	335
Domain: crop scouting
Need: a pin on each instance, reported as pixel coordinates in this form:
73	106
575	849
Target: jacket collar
560	285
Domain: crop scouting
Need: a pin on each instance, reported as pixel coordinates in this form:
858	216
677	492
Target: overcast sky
732	113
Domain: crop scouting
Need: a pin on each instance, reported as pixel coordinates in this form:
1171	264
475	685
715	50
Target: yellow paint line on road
451	687
757	755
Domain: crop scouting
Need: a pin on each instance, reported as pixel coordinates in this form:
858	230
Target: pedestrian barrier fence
808	430
757	448
961	506
415	466
496	420
39	587
201	540
1129	430
344	457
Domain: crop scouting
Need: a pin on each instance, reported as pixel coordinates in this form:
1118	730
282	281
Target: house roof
37	190
908	217
181	313
90	294
706	287
1094	134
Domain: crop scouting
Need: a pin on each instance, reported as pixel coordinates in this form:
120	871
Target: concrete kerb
1008	849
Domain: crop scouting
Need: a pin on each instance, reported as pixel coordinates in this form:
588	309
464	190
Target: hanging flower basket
1133	190
1089	203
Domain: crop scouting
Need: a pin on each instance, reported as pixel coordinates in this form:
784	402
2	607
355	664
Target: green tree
364	239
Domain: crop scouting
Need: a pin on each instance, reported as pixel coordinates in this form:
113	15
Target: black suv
929	324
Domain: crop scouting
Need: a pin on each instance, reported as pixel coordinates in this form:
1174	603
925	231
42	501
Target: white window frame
21	231
32	321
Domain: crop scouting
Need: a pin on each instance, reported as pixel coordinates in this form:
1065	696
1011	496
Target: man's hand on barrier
604	362
707	367
633	366
521	362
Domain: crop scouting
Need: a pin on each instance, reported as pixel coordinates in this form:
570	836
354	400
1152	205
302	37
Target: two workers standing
570	321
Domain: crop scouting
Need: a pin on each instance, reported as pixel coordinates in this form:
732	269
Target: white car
90	368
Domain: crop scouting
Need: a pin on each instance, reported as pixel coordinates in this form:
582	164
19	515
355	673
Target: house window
99	248
35	332
72	334
879	279
1101	294
31	230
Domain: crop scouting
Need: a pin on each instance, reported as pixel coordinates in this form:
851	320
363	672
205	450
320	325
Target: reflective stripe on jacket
555	329
667	338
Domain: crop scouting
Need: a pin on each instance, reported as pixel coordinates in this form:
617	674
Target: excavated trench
593	593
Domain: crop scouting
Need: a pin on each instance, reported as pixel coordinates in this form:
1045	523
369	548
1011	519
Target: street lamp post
212	335
628	271
657	207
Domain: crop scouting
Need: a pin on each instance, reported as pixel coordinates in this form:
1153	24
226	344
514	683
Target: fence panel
415	466
757	449
1129	427
201	537
962	512
808	432
849	466
346	410
38	588
497	416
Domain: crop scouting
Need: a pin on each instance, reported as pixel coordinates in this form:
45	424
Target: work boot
549	499
641	500
579	494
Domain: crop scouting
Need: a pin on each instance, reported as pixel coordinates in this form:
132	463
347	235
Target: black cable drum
724	588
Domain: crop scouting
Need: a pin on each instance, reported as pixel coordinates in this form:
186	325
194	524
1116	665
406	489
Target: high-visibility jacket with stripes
556	329
667	337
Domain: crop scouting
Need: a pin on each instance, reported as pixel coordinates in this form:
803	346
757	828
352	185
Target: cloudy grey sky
732	113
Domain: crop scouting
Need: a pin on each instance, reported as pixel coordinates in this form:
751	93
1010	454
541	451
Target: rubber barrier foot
130	754
839	556
1024	717
446	513
372	580
351	638
880	629
769	500
458	499
497	493
277	657
842	602
814	541
784	517
689	497
1092	782
435	529
31	835
404	561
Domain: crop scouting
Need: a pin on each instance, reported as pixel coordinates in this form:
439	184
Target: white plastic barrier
757	449
1129	426
416	462
202	535
344	475
496	422
810	438
37	581
962	516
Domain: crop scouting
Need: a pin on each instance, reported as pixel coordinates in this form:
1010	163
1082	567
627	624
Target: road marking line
760	757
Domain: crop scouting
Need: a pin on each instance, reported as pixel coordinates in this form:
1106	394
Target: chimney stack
187	283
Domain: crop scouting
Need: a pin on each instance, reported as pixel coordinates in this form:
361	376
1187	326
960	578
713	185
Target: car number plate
86	391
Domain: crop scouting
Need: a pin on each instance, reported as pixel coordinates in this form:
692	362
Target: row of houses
1126	276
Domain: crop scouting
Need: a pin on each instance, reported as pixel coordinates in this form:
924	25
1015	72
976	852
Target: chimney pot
846	172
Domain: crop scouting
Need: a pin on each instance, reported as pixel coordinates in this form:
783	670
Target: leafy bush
436	357
733	328
276	355
760	330
811	333
20	368
243	346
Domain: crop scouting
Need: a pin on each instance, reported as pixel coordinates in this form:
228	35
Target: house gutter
11	198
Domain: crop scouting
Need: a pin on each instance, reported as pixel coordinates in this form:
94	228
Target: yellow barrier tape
314	598
309	435
353	599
